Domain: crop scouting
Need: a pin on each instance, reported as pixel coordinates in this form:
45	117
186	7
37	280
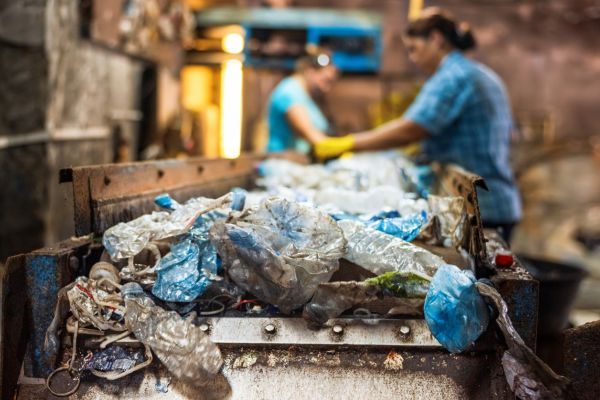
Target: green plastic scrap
402	284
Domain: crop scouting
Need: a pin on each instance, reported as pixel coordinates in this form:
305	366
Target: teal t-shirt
288	93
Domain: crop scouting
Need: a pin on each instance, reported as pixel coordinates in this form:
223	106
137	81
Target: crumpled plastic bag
380	253
126	239
190	267
280	251
455	312
406	228
186	351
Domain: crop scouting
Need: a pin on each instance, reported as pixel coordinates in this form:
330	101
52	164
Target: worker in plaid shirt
462	115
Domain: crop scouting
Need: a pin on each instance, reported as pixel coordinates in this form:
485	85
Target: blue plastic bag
405	228
454	309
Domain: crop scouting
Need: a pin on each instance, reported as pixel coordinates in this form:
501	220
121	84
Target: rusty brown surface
13	323
582	359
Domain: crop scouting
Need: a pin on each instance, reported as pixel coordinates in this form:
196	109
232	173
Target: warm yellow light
414	9
231	108
233	43
195	87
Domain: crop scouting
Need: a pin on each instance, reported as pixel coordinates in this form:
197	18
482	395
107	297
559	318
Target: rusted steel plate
339	332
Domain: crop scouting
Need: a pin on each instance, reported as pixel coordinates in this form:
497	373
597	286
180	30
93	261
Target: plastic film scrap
182	347
280	251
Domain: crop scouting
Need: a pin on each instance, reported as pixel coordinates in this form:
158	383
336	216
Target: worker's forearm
312	136
395	133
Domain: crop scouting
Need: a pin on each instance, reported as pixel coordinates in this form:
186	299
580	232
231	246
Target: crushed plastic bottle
380	253
182	347
455	312
280	251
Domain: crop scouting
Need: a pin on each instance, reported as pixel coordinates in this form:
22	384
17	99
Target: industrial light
233	43
231	108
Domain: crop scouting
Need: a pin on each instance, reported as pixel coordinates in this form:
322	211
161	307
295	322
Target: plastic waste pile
275	251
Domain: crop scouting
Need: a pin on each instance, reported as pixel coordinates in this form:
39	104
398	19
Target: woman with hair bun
462	115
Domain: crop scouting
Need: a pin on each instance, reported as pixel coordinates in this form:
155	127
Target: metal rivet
338	329
405	330
204	327
270	328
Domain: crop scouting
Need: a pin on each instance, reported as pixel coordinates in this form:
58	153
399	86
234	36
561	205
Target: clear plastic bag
380	253
452	216
127	239
455	312
182	347
280	251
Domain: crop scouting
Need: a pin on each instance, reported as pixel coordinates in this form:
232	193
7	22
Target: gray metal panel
339	332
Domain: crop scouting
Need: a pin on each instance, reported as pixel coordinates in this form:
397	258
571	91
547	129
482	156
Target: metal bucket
559	283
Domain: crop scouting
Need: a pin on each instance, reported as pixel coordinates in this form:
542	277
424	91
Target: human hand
333	146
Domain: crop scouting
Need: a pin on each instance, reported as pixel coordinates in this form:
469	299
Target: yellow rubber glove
333	146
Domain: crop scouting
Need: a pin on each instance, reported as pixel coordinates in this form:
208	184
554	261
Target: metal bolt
270	329
338	329
204	327
405	330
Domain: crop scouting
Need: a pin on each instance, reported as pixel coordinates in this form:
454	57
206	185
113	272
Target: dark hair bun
465	39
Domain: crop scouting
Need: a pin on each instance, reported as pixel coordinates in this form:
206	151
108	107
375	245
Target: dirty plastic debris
182	347
280	251
181	276
380	253
92	305
528	376
400	284
115	358
406	228
452	216
455	312
125	240
333	298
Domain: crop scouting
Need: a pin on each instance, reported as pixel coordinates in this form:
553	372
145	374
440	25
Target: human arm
396	133
299	120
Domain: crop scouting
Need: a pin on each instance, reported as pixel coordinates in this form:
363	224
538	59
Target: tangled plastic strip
146	274
74	373
83	313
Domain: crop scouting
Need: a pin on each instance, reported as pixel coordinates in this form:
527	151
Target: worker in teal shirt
462	115
295	120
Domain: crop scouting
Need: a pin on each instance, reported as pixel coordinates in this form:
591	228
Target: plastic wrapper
370	202
452	216
94	306
278	172
280	251
455	312
127	239
405	228
115	358
528	376
333	298
182	347
380	253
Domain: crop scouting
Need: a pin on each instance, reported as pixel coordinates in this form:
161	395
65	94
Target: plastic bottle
183	348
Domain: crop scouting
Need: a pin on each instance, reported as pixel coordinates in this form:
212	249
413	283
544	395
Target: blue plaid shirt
465	109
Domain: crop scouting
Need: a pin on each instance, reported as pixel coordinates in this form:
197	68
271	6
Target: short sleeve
289	96
440	102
